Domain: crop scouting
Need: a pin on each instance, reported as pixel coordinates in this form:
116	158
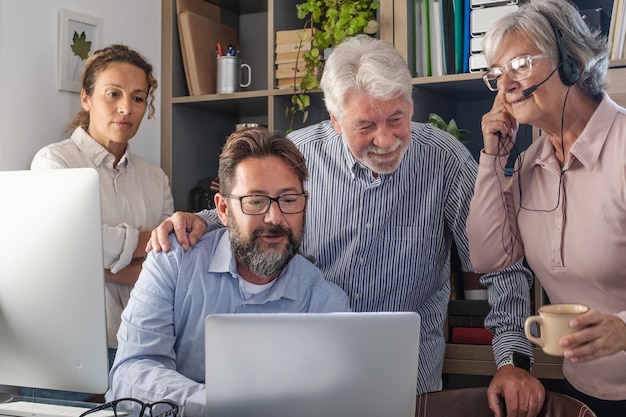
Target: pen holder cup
229	74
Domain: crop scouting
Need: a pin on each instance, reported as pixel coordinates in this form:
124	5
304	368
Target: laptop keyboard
30	409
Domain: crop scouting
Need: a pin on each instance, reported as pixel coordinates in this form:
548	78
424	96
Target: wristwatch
519	360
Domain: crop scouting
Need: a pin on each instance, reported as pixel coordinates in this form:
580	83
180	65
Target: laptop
312	364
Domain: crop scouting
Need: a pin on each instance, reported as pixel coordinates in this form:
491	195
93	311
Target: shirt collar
97	153
224	262
588	145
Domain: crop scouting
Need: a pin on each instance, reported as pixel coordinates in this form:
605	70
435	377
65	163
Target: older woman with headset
563	206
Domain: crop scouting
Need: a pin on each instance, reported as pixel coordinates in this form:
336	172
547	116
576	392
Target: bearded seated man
251	266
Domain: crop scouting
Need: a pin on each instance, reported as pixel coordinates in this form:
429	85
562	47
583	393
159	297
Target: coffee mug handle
527	329
249	78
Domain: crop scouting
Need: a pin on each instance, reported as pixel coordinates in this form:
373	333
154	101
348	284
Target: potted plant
332	21
450	127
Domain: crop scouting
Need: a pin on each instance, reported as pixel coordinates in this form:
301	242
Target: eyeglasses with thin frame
124	406
257	204
518	69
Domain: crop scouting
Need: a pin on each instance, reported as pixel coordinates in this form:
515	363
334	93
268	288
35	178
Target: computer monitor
52	311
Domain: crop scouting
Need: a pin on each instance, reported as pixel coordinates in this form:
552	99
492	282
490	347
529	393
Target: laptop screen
305	365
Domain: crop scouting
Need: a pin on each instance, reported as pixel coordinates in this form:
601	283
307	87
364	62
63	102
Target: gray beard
263	263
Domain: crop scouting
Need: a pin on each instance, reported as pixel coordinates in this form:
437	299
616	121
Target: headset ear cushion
569	71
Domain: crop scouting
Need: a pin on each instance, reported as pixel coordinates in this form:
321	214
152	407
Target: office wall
33	112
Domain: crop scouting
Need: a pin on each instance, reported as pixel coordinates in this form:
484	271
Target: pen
231	50
219	50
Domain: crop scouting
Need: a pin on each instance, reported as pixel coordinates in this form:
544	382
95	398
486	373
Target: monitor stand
5	397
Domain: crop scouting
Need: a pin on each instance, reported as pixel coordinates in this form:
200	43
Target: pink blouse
571	228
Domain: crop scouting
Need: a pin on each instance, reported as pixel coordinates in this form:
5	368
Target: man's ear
221	206
335	123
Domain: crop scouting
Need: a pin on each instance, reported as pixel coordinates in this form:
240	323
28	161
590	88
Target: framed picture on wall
79	36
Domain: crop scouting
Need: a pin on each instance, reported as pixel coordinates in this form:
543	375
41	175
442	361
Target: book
289	73
288	57
617	46
291	65
471	335
466	321
293	36
293	46
612	26
288	82
468	308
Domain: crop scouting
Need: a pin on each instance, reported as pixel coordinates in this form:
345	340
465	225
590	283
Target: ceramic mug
553	323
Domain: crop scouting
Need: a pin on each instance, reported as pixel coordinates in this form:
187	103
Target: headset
569	72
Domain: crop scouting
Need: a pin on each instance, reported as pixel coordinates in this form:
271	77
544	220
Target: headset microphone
527	92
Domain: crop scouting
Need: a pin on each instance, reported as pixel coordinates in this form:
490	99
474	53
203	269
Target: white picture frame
79	36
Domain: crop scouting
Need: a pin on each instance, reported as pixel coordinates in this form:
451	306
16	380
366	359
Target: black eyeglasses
254	205
124	406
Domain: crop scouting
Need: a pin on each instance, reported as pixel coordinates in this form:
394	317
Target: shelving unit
195	128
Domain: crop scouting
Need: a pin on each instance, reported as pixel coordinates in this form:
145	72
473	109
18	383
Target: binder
478	63
489	3
476	44
421	38
448	35
436	41
458	9
466	35
482	19
427	49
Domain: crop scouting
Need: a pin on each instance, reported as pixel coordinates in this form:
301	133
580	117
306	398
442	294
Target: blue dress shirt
161	339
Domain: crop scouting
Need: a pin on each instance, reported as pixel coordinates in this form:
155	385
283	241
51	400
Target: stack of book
290	48
466	320
483	14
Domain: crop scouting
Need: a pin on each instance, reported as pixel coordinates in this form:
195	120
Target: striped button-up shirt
386	241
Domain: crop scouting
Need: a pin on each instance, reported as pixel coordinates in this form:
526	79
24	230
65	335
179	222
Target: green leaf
81	45
453	129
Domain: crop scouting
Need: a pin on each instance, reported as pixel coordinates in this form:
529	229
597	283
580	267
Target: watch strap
519	360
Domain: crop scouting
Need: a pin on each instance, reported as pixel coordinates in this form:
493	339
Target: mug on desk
229	74
553	323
